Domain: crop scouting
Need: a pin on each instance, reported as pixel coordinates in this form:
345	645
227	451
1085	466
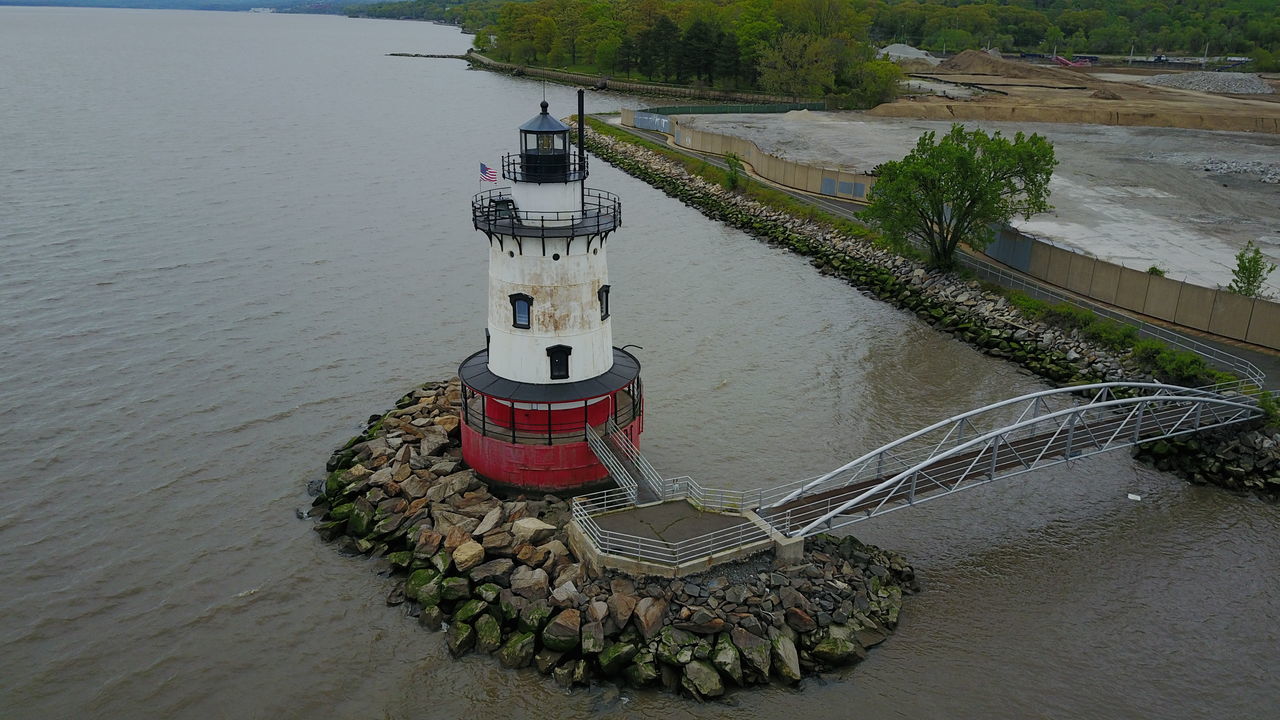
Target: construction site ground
1183	200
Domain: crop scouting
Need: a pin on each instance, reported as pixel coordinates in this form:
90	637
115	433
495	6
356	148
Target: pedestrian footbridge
990	443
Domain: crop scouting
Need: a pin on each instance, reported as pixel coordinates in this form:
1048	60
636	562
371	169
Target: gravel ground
1213	82
1184	200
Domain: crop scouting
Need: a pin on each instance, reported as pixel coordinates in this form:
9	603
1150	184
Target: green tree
960	189
1251	272
798	66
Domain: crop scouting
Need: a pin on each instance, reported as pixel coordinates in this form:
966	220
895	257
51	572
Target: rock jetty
1245	461
496	574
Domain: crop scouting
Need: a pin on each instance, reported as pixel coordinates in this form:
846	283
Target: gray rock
620	607
785	659
726	659
529	583
592	637
701	680
562	633
494	571
648	616
532	531
434	439
753	651
489	521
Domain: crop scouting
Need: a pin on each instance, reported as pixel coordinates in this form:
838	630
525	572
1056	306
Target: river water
229	238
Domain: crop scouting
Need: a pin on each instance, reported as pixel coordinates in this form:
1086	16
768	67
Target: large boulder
460	638
702	680
753	650
592	637
532	531
616	656
725	659
648	616
434	439
534	617
494	571
518	650
455	588
786	661
488	634
469	610
468	555
675	646
800	621
417	580
361	520
620	606
642	672
836	650
563	632
529	582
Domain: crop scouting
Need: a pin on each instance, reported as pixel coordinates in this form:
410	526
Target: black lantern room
544	150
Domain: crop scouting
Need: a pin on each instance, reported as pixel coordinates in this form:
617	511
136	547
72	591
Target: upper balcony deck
494	212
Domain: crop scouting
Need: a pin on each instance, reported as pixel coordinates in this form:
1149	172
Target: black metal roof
543	122
475	373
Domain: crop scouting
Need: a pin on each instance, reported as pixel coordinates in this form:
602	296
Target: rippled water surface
228	238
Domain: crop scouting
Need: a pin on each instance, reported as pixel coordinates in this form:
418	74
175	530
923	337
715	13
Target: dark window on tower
603	294
520	304
559	355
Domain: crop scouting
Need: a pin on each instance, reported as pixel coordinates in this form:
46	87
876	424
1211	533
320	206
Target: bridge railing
1033	442
929	441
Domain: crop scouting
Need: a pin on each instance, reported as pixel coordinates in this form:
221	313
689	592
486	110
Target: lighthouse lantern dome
544	150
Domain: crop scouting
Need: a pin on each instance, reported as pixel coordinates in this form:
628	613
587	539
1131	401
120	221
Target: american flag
488	174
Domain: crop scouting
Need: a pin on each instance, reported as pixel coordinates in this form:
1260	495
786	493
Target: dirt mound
1105	94
915	65
980	63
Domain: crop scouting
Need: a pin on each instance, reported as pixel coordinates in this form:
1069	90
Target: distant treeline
823	45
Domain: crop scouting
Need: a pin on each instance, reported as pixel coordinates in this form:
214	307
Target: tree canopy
960	188
724	41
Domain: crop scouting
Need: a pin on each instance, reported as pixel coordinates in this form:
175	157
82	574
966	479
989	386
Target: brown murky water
228	238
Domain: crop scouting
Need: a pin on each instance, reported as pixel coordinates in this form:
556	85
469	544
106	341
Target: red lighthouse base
549	468
534	436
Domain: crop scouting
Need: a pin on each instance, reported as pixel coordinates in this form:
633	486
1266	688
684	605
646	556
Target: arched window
603	295
520	305
559	356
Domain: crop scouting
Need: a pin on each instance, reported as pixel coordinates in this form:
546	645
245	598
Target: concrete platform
670	521
674	522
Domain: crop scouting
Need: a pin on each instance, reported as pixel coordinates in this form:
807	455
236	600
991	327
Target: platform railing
495	212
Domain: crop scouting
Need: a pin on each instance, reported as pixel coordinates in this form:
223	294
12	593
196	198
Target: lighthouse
549	374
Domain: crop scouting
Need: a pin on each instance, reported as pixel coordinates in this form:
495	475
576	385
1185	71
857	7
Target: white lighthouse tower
550	370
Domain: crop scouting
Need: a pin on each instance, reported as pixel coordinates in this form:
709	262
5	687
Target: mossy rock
488	634
460	639
518	650
615	656
470	609
417	580
455	588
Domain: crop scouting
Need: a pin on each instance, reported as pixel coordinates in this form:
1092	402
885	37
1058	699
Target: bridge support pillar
787	550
